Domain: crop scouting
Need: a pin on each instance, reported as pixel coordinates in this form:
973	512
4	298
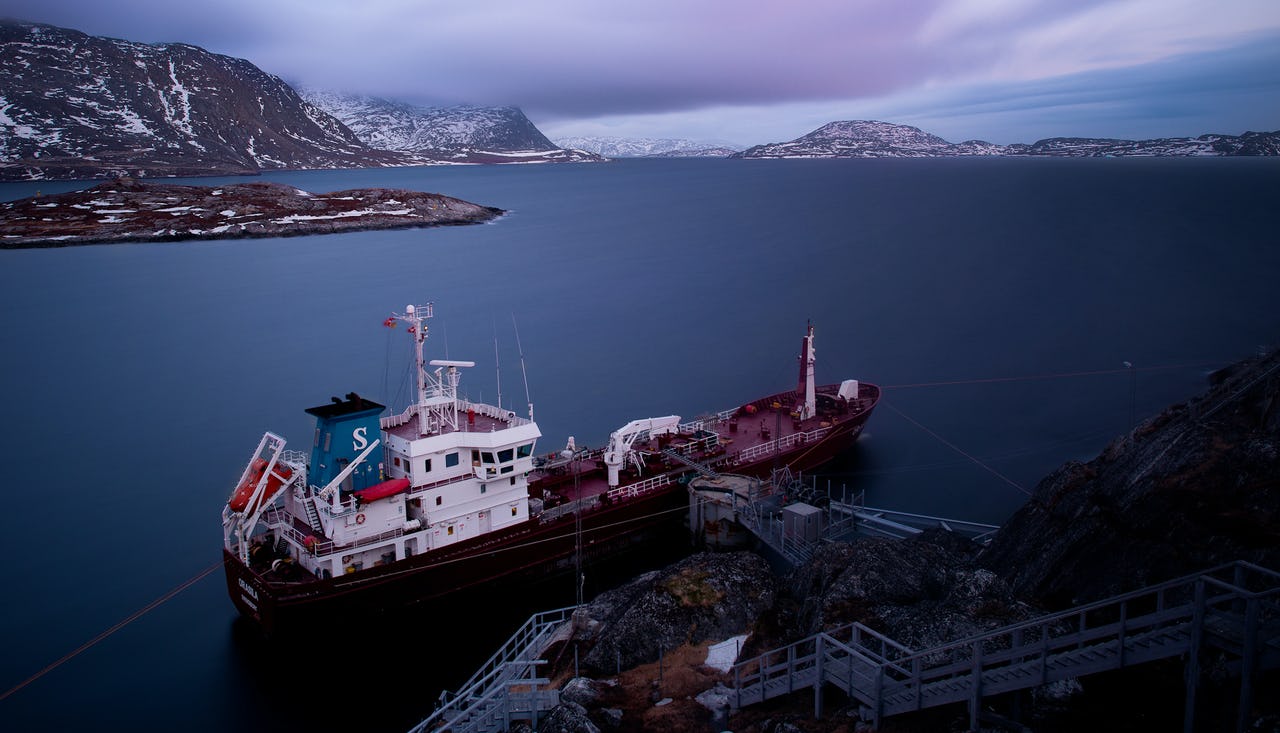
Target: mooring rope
957	449
128	620
1058	375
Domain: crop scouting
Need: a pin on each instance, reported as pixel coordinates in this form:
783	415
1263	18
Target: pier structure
1233	608
791	517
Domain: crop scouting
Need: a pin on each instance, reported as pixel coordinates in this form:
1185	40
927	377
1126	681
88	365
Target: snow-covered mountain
451	134
1250	143
871	139
78	106
868	139
620	147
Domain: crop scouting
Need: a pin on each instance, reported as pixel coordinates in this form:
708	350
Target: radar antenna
523	373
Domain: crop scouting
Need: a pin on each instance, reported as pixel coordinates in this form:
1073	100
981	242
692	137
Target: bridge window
505	456
487	457
451	460
524	451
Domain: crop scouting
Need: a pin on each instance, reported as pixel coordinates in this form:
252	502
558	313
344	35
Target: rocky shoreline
129	210
1195	486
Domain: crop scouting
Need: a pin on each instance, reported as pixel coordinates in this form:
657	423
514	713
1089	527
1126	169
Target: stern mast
809	407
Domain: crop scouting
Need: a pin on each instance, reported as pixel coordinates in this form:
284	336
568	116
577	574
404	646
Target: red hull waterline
278	606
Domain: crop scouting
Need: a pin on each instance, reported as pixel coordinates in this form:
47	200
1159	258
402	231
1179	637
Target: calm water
137	378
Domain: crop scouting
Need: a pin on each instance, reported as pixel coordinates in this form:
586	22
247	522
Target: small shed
802	521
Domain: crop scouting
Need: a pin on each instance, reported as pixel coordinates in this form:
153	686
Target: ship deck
479	418
746	439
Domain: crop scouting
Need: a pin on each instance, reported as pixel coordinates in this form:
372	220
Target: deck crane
620	441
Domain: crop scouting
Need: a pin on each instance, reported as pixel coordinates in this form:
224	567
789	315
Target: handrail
487	688
777	445
530	629
643	487
894	678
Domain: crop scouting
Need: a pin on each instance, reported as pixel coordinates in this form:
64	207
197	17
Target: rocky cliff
79	106
457	134
1195	486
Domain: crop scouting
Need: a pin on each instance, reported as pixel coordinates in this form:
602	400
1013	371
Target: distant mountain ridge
79	106
457	134
619	147
873	139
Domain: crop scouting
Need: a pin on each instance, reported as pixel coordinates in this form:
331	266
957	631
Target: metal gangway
506	687
759	511
701	468
857	518
1233	607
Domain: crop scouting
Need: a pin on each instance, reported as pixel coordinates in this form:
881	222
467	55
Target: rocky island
128	210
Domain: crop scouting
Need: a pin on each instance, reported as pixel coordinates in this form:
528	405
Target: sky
746	72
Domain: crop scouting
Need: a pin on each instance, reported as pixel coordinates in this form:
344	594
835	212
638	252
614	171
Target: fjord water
139	377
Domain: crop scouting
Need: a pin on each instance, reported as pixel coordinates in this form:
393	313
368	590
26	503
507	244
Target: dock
791	517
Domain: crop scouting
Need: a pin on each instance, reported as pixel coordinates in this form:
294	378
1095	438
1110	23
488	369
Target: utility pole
1133	391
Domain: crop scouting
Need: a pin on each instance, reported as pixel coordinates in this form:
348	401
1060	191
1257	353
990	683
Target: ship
392	511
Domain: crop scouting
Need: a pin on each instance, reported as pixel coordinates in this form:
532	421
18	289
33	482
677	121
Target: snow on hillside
619	147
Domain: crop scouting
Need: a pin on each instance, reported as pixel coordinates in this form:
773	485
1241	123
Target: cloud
673	60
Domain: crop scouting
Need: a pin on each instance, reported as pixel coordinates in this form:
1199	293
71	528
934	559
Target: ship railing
497	413
395	421
747	455
706	423
295	458
589	503
480	408
284	526
622	493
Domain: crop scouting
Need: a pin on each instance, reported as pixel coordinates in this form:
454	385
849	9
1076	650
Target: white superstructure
378	490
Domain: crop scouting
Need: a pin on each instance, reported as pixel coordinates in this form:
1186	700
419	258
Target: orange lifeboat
240	499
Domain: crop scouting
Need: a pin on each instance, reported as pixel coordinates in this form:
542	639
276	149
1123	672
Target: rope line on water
130	619
957	449
1059	375
203	573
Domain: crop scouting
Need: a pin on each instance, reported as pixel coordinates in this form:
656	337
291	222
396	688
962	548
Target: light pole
1133	391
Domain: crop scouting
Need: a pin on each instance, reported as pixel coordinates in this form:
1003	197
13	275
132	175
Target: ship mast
416	317
437	404
809	407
